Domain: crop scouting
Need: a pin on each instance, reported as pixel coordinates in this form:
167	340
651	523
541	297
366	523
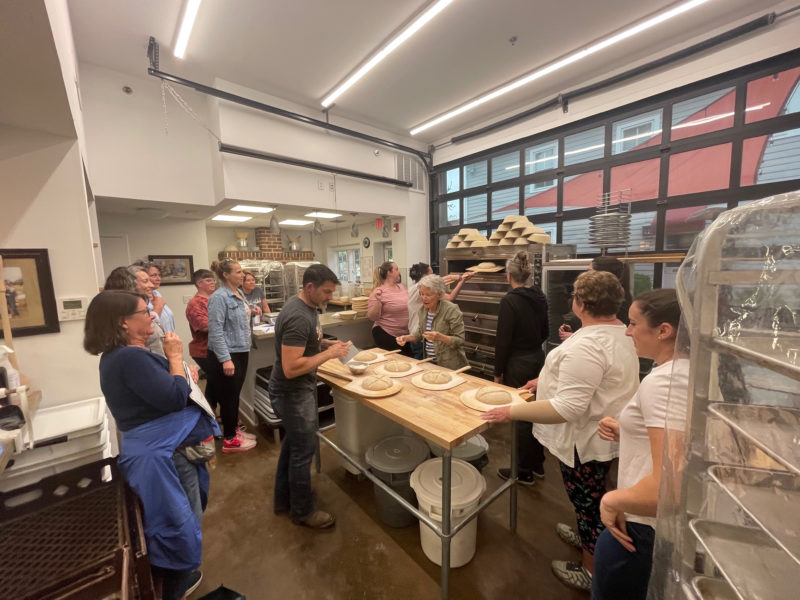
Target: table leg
512	509
446	504
317	450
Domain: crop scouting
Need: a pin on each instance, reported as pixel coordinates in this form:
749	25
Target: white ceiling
302	50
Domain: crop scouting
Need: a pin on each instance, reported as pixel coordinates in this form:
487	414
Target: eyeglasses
144	311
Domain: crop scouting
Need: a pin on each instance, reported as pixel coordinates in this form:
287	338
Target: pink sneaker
238	444
241	432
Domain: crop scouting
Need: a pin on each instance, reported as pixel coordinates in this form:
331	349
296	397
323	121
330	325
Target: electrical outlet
320	185
332	186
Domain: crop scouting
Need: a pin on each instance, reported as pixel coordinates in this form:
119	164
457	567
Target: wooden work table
438	416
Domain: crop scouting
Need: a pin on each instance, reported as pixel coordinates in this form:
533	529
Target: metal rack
729	512
479	299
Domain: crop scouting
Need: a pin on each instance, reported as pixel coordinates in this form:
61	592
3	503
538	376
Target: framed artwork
176	269
29	292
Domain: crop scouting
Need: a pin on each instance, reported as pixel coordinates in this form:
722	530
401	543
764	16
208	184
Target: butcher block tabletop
437	416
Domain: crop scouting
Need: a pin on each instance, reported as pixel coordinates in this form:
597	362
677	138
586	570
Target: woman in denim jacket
228	350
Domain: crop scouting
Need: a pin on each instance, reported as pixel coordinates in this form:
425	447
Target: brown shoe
319	519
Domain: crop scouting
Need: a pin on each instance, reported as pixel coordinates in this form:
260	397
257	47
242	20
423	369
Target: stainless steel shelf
773	429
751	562
779	354
760	492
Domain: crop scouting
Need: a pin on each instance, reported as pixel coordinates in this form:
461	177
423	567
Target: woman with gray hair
441	325
135	279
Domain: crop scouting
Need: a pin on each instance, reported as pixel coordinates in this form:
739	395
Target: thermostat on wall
72	309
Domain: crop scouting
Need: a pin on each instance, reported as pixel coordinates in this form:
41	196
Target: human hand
614	520
501	414
338	349
194	372
228	368
173	346
158	303
498	379
432	336
531	385
564	332
257	310
401	340
608	429
467	275
379	292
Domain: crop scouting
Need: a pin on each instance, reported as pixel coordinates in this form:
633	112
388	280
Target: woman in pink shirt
388	308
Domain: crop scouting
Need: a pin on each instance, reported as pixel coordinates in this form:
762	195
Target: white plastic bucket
467	487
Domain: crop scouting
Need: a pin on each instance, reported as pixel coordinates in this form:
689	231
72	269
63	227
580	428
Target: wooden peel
333	373
424	360
526	395
462	369
392	351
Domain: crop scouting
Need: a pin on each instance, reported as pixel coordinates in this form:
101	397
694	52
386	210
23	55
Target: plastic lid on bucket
466	483
473	448
397	454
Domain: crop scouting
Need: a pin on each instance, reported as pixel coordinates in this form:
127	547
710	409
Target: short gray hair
434	283
134	269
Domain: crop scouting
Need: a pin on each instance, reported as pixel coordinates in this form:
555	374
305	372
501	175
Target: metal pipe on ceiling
286	160
153	53
563	99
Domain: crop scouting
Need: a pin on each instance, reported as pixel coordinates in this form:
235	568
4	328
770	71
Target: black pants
386	341
227	389
211	392
520	368
173	583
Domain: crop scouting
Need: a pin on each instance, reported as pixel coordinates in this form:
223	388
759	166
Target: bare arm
295	364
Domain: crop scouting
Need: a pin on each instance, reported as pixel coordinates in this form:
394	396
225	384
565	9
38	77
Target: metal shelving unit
729	512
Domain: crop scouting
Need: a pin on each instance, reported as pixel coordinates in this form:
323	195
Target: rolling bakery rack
729	513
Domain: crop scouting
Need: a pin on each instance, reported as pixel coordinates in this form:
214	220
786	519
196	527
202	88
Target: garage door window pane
449	181
636	181
704	114
583	191
637	132
449	213
683	224
700	170
541	197
773	95
504	203
583	146
541	157
475	174
475	209
505	167
769	158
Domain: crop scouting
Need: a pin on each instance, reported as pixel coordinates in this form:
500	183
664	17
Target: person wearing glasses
160	422
135	280
229	351
197	315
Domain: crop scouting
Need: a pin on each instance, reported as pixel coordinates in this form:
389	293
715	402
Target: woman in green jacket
441	325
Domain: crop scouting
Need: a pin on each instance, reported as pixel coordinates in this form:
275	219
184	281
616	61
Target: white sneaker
241	432
568	535
573	574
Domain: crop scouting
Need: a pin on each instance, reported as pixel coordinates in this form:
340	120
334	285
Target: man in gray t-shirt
299	350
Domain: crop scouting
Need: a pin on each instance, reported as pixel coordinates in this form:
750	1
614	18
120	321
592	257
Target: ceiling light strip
415	26
568	60
187	24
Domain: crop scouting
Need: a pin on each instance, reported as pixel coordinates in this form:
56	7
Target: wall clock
365	242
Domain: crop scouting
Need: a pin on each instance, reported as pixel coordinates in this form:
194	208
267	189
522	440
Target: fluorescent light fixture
298	222
189	15
232	218
415	26
252	209
323	215
559	64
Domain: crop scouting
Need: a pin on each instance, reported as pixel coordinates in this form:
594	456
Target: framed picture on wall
28	290
176	269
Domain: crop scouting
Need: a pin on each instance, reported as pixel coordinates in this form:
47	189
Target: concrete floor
249	549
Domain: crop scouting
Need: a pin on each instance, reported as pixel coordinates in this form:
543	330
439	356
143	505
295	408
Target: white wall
44	206
132	156
769	41
166	236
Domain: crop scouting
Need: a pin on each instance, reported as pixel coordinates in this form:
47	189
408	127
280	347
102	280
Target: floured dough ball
493	395
376	383
365	356
436	377
397	366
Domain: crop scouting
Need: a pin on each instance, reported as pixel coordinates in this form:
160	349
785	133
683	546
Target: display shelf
710	588
756	491
749	560
773	429
781	354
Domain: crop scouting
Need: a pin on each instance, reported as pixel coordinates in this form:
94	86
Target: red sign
396	227
378	223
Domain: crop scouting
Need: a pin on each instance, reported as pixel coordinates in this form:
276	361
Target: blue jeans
187	473
298	412
619	573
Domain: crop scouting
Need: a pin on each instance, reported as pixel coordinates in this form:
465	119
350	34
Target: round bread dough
492	395
437	377
376	383
397	366
365	356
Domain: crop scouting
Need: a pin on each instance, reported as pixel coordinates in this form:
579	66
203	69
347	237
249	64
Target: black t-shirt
297	326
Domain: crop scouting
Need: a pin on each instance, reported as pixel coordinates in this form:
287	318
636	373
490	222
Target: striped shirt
430	352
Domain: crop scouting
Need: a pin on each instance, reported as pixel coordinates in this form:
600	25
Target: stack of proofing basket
516	230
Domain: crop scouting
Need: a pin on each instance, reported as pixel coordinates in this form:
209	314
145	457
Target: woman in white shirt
624	551
593	374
